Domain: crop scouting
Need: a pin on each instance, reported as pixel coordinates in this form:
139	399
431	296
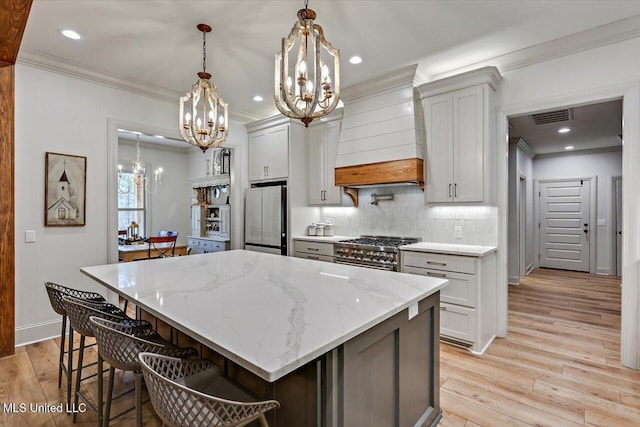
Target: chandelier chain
204	51
306	4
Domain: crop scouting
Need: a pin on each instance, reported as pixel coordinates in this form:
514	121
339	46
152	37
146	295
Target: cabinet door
196	216
258	149
333	194
277	154
225	217
316	165
271	216
468	137
439	163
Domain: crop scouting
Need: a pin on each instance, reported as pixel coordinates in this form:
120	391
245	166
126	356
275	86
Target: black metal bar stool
79	312
119	344
56	292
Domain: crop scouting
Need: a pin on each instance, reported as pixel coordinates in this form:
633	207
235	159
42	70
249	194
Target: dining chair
119	344
56	292
162	247
79	312
165	233
196	393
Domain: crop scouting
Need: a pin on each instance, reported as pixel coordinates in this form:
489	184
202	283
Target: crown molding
269	122
526	148
603	35
613	148
401	78
485	75
74	70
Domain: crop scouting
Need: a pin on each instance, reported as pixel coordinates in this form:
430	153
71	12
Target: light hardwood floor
558	366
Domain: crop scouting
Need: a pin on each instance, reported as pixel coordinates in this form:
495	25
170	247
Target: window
131	203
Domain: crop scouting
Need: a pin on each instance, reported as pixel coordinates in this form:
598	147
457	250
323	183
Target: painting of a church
65	188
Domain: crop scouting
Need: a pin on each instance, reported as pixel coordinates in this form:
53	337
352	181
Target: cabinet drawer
460	290
211	246
193	243
313	247
458	322
324	258
459	264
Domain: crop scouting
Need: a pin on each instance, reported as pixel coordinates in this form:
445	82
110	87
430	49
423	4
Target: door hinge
538	225
538	256
538	194
581	182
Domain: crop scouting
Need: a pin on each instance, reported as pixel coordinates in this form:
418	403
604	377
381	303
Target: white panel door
439	164
618	229
253	216
564	225
468	154
271	215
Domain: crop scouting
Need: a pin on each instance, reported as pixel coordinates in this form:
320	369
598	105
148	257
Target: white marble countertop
449	248
268	313
328	239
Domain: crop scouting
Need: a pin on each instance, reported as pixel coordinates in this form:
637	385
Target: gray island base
336	345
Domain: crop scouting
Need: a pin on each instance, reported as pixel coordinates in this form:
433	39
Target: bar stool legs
62	342
79	378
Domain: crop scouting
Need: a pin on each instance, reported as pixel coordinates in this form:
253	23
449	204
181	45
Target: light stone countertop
271	314
449	248
327	239
214	239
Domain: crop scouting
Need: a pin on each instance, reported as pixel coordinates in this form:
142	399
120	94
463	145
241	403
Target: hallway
558	366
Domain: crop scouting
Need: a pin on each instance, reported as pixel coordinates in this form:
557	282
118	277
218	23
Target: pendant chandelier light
203	114
303	88
127	184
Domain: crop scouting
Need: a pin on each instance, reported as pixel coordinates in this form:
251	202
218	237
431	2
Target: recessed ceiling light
70	34
257	98
569	147
355	60
159	136
564	130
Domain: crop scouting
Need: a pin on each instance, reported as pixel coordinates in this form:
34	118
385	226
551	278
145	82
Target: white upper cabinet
323	149
459	137
269	154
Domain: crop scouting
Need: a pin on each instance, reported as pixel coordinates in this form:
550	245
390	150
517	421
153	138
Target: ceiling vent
552	117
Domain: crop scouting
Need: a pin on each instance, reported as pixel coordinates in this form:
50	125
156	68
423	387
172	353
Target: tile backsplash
408	216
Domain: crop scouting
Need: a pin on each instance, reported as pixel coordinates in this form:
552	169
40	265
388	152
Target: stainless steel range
379	252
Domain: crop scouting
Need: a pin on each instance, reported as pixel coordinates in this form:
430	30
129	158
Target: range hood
381	137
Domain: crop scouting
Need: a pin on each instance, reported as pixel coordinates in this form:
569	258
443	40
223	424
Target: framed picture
65	190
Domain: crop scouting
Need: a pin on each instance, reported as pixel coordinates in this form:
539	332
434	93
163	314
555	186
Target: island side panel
390	374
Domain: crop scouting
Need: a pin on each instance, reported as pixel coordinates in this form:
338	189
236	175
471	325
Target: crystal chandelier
204	124
311	96
138	179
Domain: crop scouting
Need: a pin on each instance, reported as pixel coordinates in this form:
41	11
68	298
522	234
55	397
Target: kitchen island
337	345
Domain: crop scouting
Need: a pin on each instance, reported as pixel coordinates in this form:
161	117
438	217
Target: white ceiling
591	126
155	42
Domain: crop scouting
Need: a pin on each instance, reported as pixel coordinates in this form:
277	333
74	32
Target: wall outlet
30	236
457	232
413	311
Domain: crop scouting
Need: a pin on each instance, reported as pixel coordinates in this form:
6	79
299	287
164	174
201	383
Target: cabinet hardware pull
267	170
313	257
436	274
443	308
324	192
313	249
455	190
449	190
264	171
437	263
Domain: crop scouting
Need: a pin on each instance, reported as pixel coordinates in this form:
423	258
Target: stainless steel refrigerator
265	219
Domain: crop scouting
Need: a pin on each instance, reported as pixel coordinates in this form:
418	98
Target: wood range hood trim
409	171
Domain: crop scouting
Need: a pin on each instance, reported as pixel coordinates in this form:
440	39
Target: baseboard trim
603	271
37	332
481	352
513	280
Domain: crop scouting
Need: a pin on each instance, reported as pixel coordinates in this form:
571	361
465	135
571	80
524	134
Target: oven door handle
354	264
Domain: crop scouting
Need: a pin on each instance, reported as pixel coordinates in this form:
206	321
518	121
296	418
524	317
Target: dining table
140	250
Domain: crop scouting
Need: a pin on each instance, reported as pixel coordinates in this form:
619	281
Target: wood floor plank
476	413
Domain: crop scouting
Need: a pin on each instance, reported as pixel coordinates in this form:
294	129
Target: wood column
13	20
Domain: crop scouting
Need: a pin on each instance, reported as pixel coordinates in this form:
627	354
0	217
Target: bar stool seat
194	393
79	312
119	344
56	292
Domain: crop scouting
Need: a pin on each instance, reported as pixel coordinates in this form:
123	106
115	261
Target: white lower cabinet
318	251
205	246
467	304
